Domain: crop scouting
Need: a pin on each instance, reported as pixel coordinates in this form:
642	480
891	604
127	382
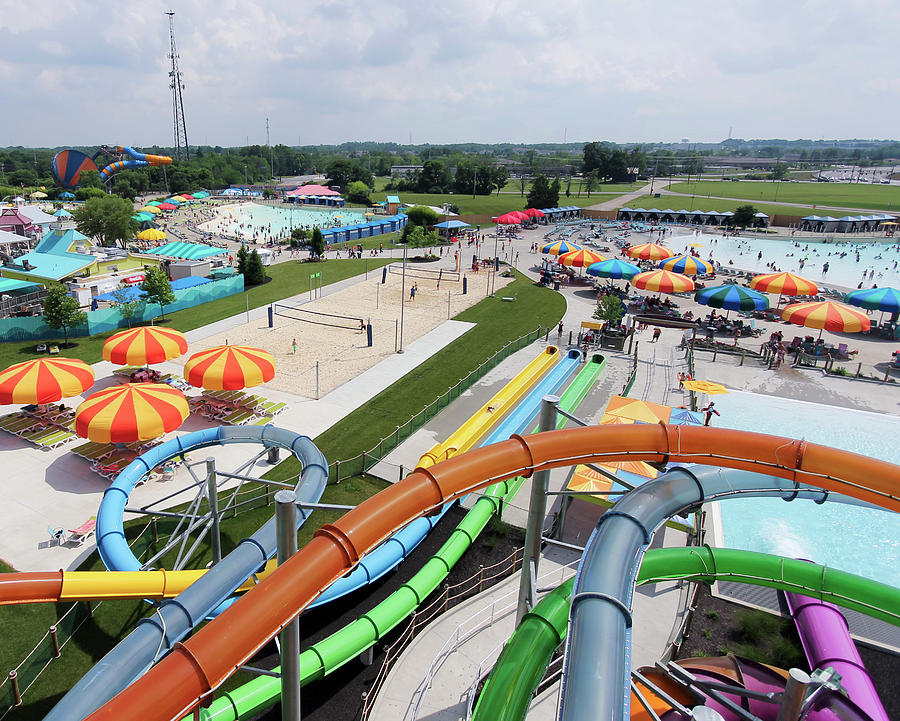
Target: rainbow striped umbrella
686	265
45	380
784	284
649	251
144	345
663	281
613	268
580	258
827	315
559	247
131	412
884	299
732	297
229	367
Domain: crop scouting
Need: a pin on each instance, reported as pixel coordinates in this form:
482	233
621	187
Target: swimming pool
787	254
859	540
253	220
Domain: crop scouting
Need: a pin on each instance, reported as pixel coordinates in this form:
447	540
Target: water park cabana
186	251
846	224
12	220
683	216
350	233
314	195
555	214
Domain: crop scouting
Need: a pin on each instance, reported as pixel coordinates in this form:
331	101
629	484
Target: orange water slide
189	675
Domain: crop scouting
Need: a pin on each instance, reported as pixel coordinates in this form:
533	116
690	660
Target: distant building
392	205
405	171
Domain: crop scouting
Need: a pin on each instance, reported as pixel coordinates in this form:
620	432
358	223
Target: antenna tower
182	149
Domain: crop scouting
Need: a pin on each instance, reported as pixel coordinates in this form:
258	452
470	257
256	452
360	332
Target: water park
521	477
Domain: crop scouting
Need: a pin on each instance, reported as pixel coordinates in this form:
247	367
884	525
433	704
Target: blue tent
452	224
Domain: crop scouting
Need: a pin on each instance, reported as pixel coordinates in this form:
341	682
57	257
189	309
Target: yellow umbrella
707	387
151	234
696	245
587	479
150	209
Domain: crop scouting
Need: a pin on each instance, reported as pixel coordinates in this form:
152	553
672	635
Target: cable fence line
341	470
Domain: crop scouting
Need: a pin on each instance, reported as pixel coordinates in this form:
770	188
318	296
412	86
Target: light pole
402	299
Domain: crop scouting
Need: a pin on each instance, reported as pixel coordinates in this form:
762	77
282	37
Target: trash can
555	285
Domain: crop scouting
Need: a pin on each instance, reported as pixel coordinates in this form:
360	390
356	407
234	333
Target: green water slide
344	645
508	690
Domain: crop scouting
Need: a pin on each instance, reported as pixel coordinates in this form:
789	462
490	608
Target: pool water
882	258
255	220
859	540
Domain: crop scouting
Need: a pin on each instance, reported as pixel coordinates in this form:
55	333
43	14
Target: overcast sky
83	72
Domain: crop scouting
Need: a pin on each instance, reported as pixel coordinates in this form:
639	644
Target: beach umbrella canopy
581	258
144	345
827	315
696	245
509	219
883	299
663	281
558	247
707	387
685	417
229	367
142	217
166	206
686	265
732	297
67	195
783	284
638	410
37	195
201	194
613	268
649	251
131	412
185	196
155	202
45	380
151	234
534	213
62	213
152	209
175	200
521	213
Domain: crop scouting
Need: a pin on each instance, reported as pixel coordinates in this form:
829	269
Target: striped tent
187	251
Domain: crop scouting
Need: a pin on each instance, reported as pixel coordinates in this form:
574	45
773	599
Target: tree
523	183
107	219
256	271
158	288
358	192
418	237
610	310
61	310
779	171
543	194
590	182
569	187
422	215
299	239
317	244
434	177
242	260
743	216
126	302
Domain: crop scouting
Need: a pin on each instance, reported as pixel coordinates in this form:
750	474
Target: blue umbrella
684	417
67	195
732	297
613	268
883	299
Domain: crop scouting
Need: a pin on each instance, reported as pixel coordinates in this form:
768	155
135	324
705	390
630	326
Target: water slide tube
195	668
174	619
331	653
825	637
138	160
16	588
509	688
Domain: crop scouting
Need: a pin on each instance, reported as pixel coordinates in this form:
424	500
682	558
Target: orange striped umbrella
827	315
45	380
229	367
784	284
650	251
637	410
580	258
131	412
663	281
144	345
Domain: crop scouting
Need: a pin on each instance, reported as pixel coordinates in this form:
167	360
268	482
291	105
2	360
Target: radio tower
182	149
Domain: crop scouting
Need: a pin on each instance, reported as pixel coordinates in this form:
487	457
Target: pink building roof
312	190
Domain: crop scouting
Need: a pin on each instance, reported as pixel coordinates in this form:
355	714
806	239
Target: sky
323	71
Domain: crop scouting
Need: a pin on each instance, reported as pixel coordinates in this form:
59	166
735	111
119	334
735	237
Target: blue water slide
393	551
175	618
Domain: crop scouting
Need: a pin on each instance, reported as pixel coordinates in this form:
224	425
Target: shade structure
131	412
229	367
649	251
175	200
67	195
201	194
509	219
558	247
144	345
152	209
663	281
142	217
523	216
613	268
827	315
686	265
45	380
638	410
185	196
534	213
732	297
151	234
783	284
155	202
708	387
581	258
166	206
883	299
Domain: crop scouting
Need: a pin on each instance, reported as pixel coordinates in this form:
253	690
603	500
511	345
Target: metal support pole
537	508
317	380
794	695
286	520
215	538
402	302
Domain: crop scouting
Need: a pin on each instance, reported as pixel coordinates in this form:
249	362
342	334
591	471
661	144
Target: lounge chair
79	536
56	534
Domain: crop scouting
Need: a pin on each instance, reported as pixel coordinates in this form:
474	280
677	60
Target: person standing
294	345
657	332
709	411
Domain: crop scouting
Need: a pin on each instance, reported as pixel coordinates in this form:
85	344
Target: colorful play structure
68	165
157	672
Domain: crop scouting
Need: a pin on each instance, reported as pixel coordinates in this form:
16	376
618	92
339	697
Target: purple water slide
826	641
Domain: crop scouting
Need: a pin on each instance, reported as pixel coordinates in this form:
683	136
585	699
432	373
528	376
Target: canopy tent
134	292
62	213
67	195
187	251
452	224
36	215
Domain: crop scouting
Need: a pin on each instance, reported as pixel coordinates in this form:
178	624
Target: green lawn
841	195
679	202
288	279
487	204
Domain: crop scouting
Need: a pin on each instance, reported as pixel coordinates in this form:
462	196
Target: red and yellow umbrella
229	367
827	315
663	281
45	380
144	345
132	412
580	258
783	284
649	251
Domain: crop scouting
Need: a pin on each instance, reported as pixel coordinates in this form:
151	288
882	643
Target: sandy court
342	352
